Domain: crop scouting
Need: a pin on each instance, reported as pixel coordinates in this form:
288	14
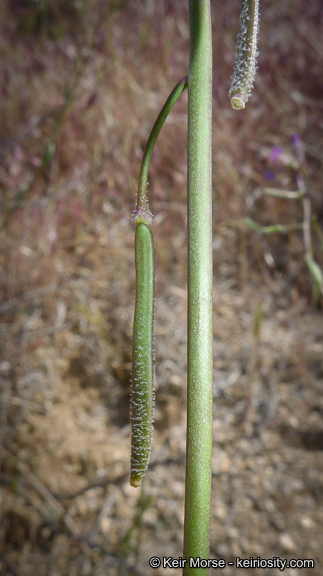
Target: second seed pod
142	393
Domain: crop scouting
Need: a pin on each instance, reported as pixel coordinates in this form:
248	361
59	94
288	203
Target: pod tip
238	102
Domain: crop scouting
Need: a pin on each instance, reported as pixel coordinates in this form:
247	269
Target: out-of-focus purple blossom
276	153
296	140
269	175
298	148
278	156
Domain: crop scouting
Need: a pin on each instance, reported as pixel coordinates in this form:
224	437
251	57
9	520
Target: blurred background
81	84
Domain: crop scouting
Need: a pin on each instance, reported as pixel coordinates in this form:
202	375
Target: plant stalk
142	200
200	364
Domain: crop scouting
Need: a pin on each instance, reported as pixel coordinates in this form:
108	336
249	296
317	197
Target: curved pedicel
245	65
142	202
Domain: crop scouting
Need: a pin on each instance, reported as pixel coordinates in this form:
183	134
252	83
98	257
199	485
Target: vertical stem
199	410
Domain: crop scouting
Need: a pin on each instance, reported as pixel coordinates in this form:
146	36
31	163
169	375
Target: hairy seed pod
245	65
142	393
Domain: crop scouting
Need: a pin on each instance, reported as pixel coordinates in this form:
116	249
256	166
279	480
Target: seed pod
142	393
245	65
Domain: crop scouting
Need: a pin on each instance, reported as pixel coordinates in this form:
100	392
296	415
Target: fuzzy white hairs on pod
142	391
245	65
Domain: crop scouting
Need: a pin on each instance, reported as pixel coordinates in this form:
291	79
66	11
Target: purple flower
276	153
296	140
269	175
298	148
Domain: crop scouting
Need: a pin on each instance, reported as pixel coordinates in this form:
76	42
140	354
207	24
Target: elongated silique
142	392
246	55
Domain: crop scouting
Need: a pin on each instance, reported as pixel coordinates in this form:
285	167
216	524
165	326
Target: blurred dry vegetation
81	83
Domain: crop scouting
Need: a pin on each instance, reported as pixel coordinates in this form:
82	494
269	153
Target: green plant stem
274	228
285	194
199	409
142	201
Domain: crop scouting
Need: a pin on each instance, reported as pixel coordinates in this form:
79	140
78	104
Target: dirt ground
81	85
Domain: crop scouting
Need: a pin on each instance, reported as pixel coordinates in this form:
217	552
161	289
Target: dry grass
80	89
